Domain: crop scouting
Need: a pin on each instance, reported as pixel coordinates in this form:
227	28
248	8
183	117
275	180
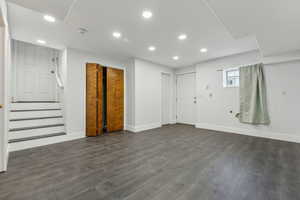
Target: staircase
35	121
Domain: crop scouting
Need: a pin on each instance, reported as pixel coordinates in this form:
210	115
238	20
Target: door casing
166	99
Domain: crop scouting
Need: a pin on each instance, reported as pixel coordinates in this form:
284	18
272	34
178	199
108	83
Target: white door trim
5	79
170	98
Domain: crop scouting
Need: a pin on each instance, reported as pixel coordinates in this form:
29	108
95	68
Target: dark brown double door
104	99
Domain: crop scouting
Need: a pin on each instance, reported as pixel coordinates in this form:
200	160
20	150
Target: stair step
29	110
35	127
34	106
36	122
36	137
34	114
35	132
35	102
34	118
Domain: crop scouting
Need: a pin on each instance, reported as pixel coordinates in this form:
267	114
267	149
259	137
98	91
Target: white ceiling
59	8
206	26
276	23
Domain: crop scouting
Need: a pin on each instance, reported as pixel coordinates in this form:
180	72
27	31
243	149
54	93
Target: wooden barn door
94	99
115	99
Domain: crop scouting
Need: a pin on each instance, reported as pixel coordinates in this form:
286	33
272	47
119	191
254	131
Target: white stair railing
57	75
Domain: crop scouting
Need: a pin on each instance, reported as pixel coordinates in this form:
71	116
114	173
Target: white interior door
166	99
186	98
35	77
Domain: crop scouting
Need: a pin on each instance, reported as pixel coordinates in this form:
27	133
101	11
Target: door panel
100	100
94	74
186	99
115	99
35	80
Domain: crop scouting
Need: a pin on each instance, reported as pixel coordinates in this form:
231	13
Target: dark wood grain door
115	99
94	87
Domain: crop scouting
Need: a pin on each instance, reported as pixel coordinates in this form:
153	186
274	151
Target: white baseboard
44	141
173	121
129	128
256	133
144	127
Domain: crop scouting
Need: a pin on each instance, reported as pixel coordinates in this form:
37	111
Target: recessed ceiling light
182	37
41	41
175	57
152	48
117	34
49	18
147	14
203	50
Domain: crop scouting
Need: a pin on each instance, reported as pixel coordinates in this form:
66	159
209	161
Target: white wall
130	73
75	83
184	70
283	86
4	86
2	130
147	89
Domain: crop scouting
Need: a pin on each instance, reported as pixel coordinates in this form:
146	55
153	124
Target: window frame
225	77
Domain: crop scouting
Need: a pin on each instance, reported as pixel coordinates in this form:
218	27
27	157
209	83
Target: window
231	77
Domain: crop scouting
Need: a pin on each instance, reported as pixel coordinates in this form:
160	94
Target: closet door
115	99
94	77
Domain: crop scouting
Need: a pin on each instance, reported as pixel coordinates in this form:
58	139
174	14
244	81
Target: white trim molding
144	127
129	128
255	133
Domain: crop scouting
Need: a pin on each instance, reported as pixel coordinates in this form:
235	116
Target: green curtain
253	96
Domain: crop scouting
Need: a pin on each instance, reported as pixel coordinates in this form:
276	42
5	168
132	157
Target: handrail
57	76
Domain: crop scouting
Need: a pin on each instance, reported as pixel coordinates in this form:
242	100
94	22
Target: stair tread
35	102
35	127
35	110
35	118
36	137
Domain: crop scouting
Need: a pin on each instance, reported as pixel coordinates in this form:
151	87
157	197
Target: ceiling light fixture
152	48
203	50
175	57
49	18
182	37
41	41
147	14
117	34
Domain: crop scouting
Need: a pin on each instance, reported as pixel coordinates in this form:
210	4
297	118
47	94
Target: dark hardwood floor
176	162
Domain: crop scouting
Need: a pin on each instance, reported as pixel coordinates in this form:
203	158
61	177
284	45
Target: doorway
166	98
186	98
104	99
34	72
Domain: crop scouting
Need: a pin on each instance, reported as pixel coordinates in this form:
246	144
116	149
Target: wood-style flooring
176	162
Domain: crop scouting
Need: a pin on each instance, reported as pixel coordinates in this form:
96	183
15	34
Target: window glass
231	77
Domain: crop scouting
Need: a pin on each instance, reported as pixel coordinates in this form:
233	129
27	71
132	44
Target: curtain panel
253	95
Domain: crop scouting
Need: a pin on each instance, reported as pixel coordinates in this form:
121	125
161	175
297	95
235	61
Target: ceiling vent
82	31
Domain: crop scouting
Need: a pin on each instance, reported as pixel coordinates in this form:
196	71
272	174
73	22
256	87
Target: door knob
1	106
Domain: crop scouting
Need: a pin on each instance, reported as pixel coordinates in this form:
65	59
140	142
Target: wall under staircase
34	124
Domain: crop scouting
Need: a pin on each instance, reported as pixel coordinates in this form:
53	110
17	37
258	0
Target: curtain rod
244	65
265	63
